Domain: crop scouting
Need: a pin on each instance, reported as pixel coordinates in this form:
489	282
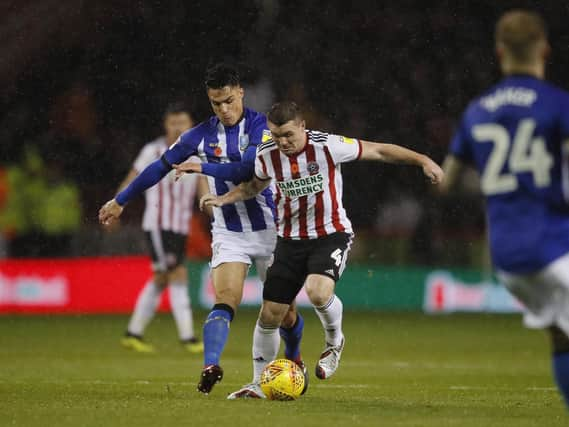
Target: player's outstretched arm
132	174
452	168
202	190
236	172
146	179
390	153
244	191
150	176
186	167
110	208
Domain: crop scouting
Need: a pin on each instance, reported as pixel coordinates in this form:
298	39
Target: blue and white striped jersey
228	158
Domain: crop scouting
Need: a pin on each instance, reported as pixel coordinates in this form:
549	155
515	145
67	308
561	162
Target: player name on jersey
519	96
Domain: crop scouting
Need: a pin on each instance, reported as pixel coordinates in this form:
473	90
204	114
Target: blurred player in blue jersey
243	232
517	136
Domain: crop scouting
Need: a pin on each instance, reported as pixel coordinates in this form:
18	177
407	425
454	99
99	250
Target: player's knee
178	274
559	340
229	296
319	291
272	313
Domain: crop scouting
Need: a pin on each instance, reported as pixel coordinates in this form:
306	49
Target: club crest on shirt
313	168
243	142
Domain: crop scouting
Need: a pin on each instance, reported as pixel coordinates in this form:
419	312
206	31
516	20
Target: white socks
266	341
330	315
147	303
182	310
144	309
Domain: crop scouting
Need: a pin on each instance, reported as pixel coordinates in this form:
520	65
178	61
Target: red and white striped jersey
169	204
309	184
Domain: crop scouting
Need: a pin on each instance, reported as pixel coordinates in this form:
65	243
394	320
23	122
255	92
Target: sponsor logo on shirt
302	186
347	140
266	136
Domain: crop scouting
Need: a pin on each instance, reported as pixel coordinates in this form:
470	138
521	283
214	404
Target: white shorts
545	294
245	247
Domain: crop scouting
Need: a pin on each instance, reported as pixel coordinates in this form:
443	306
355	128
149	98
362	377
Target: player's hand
110	212
187	167
433	171
113	227
210	200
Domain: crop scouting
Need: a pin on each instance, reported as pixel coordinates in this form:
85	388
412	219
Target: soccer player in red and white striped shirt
314	232
166	220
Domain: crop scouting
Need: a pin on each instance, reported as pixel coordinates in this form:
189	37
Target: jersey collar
235	126
522	75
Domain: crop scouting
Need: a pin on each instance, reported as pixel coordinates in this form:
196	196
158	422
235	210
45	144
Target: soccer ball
282	379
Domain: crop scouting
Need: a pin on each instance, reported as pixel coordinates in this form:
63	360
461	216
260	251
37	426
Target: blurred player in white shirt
166	220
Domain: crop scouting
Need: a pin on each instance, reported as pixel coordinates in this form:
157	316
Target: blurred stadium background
84	85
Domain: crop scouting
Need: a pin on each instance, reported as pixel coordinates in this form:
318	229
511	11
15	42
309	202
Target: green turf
397	370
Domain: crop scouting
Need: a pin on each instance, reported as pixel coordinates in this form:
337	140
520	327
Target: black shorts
296	259
167	249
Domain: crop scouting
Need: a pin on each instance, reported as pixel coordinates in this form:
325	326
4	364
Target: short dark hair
221	75
177	107
283	112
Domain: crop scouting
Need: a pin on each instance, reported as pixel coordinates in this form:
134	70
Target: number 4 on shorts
337	256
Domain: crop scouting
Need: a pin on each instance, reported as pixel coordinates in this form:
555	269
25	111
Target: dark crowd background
84	85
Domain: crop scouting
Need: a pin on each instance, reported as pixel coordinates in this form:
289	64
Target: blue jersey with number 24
517	136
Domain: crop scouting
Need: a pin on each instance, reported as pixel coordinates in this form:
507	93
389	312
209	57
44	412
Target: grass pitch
397	370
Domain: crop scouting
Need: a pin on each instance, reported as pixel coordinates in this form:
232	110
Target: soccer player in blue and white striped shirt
243	232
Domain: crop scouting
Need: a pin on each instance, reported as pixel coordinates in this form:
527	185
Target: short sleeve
144	158
261	168
460	146
343	149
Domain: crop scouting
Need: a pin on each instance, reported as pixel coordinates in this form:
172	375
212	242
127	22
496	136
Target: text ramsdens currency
302	186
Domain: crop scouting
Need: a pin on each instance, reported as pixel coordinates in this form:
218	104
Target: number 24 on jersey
528	154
